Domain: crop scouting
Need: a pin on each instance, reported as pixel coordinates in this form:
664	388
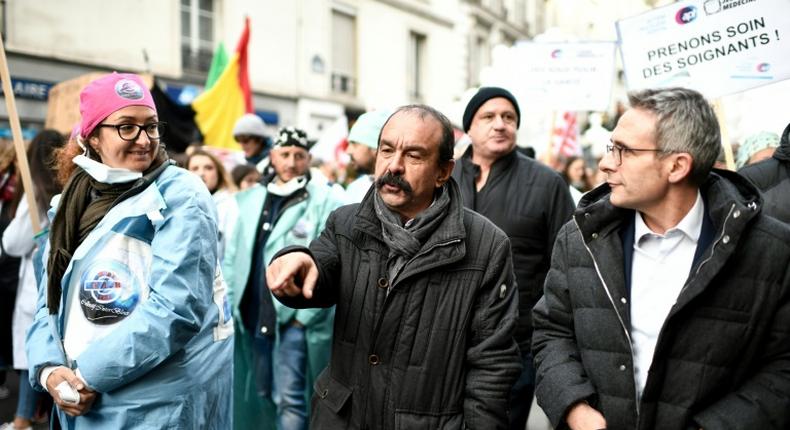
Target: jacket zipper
429	250
713	247
288	205
619	317
392	287
387	300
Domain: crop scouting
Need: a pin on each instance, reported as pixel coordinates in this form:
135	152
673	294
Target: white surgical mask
104	173
287	188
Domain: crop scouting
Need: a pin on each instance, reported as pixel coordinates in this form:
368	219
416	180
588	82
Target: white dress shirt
660	267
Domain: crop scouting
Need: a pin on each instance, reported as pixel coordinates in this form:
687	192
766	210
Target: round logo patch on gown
109	292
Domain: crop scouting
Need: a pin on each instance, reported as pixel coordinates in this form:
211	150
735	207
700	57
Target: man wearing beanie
279	351
250	133
527	200
362	143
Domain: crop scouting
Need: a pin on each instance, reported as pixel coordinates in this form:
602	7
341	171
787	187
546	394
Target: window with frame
479	54
344	53
197	35
416	66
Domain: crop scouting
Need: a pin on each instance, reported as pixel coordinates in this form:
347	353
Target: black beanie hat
483	95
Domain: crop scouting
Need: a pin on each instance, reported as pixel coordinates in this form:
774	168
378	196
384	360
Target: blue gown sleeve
43	350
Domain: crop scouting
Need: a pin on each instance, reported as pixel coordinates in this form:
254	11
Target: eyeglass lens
132	131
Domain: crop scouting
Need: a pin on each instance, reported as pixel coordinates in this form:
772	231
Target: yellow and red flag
218	108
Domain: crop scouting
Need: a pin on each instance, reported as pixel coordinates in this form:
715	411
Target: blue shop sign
27	133
30	89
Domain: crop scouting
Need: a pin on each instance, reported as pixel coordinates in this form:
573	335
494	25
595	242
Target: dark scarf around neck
83	204
405	242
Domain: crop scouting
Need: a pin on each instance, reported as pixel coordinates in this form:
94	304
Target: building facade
310	61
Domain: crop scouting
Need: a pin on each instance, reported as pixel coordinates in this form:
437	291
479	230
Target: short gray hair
686	123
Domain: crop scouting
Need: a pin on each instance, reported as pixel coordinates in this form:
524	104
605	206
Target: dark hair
239	172
587	182
447	144
41	158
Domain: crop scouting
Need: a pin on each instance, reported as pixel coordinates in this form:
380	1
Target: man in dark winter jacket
667	305
772	177
425	295
526	199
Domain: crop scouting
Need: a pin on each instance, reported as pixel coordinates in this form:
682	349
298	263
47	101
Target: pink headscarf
108	94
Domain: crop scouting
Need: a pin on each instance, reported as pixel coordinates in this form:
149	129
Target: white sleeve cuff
44	375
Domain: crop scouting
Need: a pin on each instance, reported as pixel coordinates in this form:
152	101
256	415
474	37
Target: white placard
563	76
717	47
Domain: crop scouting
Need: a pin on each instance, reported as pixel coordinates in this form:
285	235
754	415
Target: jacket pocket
722	314
329	402
407	420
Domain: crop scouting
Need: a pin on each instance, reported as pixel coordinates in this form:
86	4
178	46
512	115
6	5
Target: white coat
18	241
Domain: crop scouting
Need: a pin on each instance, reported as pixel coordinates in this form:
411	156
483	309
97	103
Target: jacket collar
731	203
502	164
724	191
447	239
467	172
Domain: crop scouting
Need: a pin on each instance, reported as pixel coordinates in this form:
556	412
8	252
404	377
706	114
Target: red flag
244	74
566	136
218	108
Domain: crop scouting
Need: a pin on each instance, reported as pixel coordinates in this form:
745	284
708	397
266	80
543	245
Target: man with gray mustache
424	289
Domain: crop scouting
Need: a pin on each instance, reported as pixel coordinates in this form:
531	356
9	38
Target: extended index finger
281	272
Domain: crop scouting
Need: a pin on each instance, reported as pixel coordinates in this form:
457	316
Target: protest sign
717	47
563	76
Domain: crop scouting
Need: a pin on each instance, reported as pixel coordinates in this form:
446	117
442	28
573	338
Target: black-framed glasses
618	150
130	132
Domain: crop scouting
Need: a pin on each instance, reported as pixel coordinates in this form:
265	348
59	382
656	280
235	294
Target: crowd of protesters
435	288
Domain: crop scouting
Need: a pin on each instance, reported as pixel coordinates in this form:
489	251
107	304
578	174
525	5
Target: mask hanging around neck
286	189
100	171
104	173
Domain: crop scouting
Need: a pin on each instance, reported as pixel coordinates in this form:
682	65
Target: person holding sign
661	309
132	327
